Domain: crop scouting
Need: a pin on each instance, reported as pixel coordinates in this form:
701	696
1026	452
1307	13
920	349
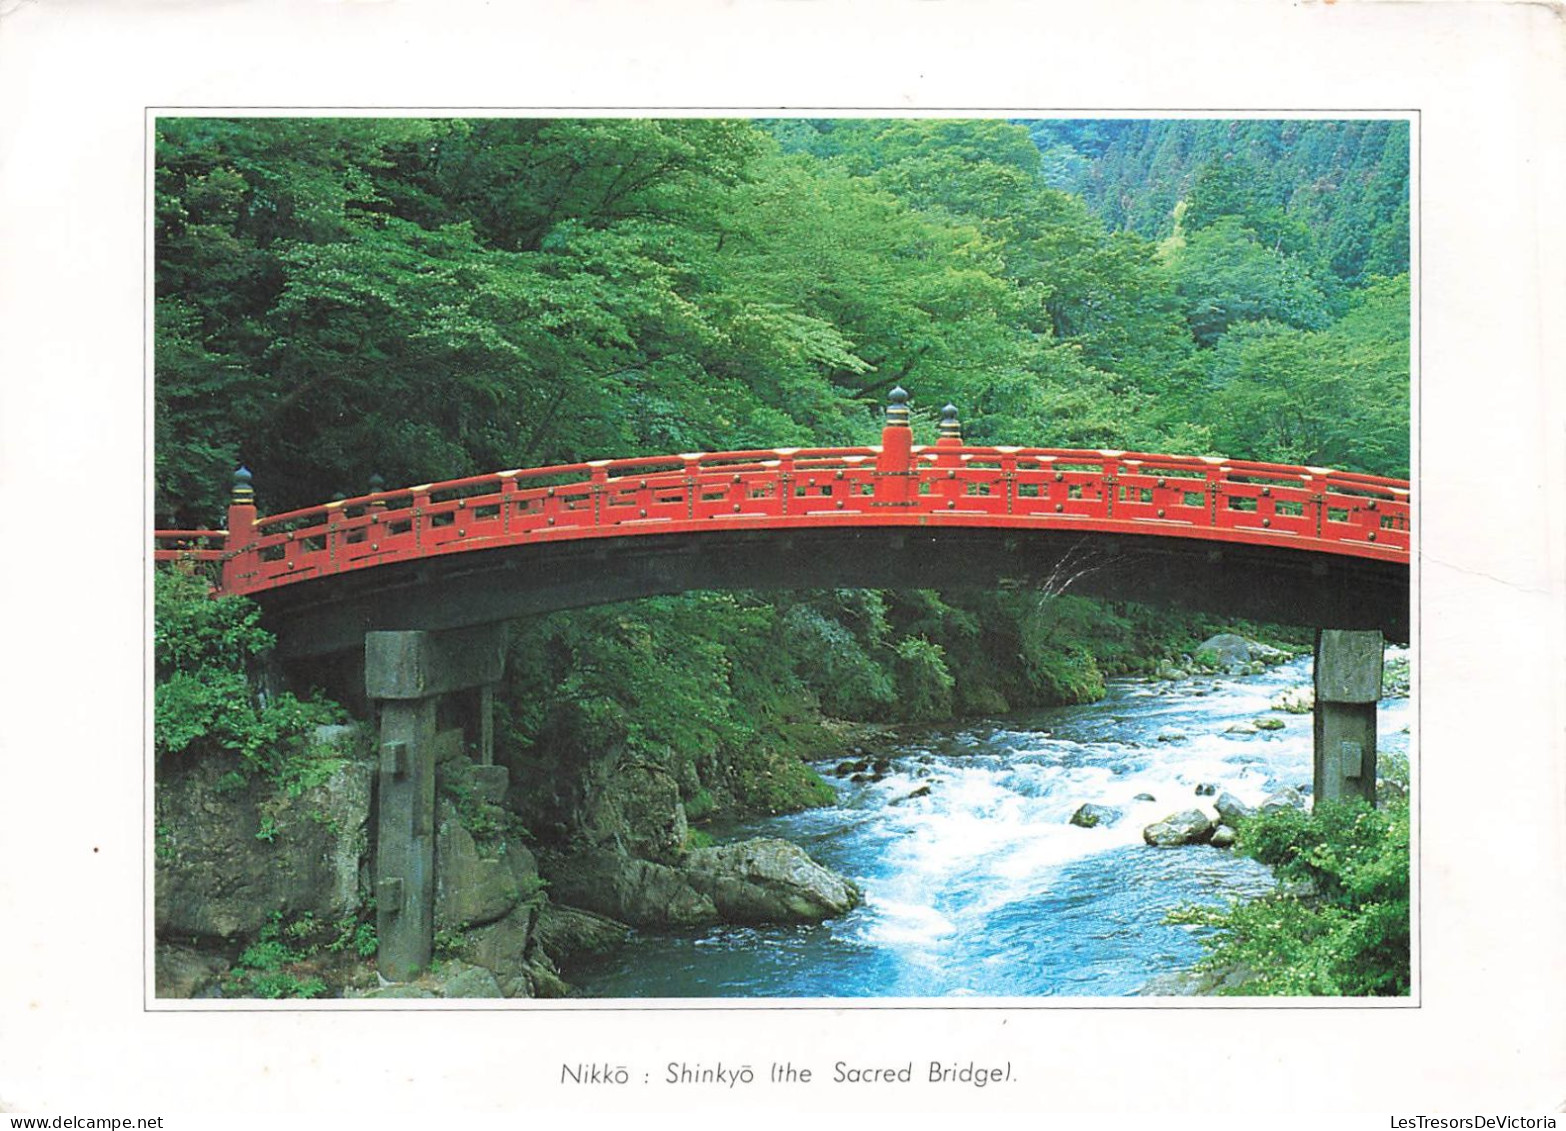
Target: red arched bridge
1300	545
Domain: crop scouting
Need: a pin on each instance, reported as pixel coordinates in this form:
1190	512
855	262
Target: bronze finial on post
951	431
897	408
243	494
241	529
894	464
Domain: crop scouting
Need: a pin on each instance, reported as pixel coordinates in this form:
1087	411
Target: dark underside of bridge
317	618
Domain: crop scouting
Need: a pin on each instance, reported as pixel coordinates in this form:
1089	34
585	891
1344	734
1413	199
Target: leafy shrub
207	654
924	683
271	966
1340	924
835	664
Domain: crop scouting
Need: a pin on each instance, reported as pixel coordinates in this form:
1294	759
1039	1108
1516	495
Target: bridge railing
189	545
948	483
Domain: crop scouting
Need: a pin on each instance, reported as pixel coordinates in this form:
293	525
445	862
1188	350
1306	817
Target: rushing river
981	887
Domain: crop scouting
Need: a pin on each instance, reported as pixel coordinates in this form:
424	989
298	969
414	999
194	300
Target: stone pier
1348	686
405	674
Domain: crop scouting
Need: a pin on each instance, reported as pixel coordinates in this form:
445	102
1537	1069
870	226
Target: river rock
1267	654
1267	722
460	980
1295	700
501	947
922	791
1226	650
1207	789
1241	728
1170	734
1090	816
181	971
642	893
562	932
470	887
637	809
394	990
1189	827
1223	837
545	982
1286	798
769	881
1231	810
1144	797
229	851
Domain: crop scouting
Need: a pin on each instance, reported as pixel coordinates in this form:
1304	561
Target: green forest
421	299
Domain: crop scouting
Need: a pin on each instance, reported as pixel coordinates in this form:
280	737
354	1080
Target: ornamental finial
244	494
950	429
897	409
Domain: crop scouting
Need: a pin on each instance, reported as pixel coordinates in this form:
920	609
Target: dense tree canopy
424	298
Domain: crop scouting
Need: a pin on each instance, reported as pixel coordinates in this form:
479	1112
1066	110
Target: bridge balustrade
895	484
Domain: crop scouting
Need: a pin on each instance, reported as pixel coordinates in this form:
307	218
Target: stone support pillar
406	673
1348	685
405	838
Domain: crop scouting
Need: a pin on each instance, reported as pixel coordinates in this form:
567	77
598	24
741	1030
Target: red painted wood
896	484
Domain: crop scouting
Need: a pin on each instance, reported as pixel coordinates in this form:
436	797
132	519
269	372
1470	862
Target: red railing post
785	481
894	463
948	461
238	547
598	485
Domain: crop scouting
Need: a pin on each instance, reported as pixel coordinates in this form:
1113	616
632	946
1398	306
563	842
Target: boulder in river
767	880
1090	816
1171	734
1189	827
1295	700
1237	655
1231	809
1226	650
640	892
1241	728
1144	797
1267	722
1223	837
1207	789
1286	798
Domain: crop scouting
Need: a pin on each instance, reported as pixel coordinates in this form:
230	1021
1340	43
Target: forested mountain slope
1335	190
427	298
